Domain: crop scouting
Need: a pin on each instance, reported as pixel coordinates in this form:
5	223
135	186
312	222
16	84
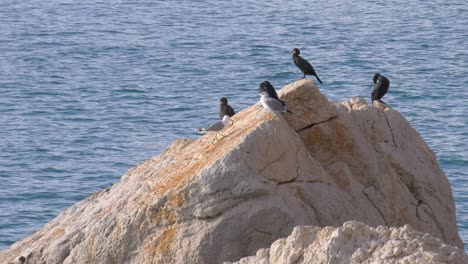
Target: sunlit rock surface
209	201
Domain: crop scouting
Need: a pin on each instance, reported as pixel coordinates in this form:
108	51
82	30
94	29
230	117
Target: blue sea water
90	88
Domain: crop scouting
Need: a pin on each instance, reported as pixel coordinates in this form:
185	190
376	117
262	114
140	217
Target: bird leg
222	136
216	137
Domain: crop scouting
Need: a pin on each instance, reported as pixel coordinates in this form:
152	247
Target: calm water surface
90	88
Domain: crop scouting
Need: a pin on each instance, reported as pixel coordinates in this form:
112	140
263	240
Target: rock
307	103
205	202
355	242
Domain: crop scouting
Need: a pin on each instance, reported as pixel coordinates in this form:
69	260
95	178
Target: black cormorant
380	88
225	109
303	65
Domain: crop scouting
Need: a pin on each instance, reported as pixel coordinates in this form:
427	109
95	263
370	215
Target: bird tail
287	111
318	79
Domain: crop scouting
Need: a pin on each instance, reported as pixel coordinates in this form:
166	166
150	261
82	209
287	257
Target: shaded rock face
356	242
205	202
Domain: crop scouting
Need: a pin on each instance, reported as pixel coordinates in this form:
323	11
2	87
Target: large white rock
207	201
356	242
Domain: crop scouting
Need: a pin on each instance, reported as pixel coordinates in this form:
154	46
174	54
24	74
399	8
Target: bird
303	65
267	87
272	104
224	108
381	84
217	126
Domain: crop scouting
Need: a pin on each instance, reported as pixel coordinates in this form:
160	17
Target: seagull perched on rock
381	84
217	126
267	87
272	104
303	65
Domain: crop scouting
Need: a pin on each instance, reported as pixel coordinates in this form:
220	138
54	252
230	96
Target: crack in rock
391	130
373	203
271	162
313	124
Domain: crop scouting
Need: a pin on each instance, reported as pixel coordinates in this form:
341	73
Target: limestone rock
355	242
202	201
307	103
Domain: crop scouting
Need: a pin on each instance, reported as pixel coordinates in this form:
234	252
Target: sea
90	88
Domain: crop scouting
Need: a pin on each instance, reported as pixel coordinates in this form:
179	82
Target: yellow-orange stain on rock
117	232
194	156
163	215
176	200
342	181
57	232
331	138
160	245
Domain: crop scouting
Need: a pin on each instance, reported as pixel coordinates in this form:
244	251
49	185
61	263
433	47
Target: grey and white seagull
272	104
217	126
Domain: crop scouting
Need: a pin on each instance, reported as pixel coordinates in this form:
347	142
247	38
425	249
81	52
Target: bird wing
230	111
272	92
274	104
304	65
215	126
380	88
375	92
222	111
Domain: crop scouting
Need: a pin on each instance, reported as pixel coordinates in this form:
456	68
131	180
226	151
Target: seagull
272	104
267	87
380	87
303	65
217	126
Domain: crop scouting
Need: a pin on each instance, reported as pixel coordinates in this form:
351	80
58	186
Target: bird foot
216	137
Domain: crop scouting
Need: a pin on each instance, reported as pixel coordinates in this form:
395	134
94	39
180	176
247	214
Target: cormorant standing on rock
267	87
303	65
380	88
224	108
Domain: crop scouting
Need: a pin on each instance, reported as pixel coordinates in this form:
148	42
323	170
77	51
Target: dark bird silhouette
267	87
303	65
381	84
225	109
